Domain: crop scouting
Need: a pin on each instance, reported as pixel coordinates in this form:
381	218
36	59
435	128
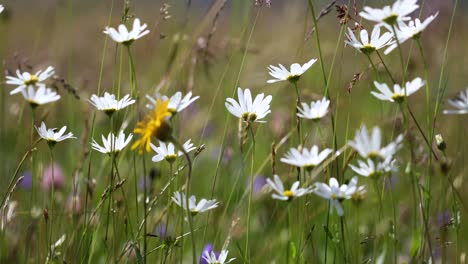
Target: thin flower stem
51	203
288	243
345	255
246	250
385	66
400	52
326	235
133	80
298	120
317	39
145	215
373	65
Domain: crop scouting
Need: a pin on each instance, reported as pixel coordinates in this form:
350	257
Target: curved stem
400	52
252	178
385	66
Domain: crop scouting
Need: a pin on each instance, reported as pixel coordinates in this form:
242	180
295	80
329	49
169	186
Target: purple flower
443	218
258	183
207	248
58	182
26	183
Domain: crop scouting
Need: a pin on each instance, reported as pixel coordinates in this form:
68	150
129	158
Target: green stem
400	52
51	203
252	178
317	39
385	66
343	238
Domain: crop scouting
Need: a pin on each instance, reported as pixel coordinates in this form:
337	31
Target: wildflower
1	8
336	193
390	15
113	144
440	142
374	168
369	146
399	93
167	152
154	125
208	248
317	109
280	73
26	79
213	258
259	183
177	103
58	180
368	45
7	213
304	158
460	103
108	104
26	183
124	36
51	136
247	110
286	195
202	206
42	96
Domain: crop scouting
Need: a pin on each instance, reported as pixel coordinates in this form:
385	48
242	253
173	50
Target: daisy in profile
167	151
177	103
305	158
370	146
51	136
372	168
286	195
315	111
40	96
336	193
460	103
368	45
202	206
108	104
213	258
112	144
390	15
280	73
26	79
399	93
127	37
247	110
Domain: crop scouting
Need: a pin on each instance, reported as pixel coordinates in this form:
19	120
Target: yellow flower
154	124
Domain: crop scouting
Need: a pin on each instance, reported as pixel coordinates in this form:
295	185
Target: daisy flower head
247	110
213	258
108	104
286	195
155	124
51	136
177	103
336	193
370	146
280	73
390	15
112	144
202	206
26	79
167	151
305	158
460	103
372	168
368	45
315	111
399	93
122	35
40	96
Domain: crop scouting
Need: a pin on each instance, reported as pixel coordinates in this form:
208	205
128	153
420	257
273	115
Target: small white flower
304	158
460	102
51	136
368	45
399	11
167	151
336	193
369	146
280	73
202	206
246	109
316	110
112	143
373	169
286	195
211	258
176	104
109	104
42	96
1	8
26	79
398	94
124	36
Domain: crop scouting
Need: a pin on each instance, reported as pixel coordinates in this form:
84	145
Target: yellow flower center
392	19
334	196
398	97
288	194
32	80
170	158
367	49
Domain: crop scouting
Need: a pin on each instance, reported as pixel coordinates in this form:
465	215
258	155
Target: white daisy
368	45
112	143
304	158
374	169
280	73
177	103
398	94
42	96
316	110
108	104
369	146
336	193
286	195
460	102
202	206
51	136
167	151
124	36
390	15
211	258
26	79
246	109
